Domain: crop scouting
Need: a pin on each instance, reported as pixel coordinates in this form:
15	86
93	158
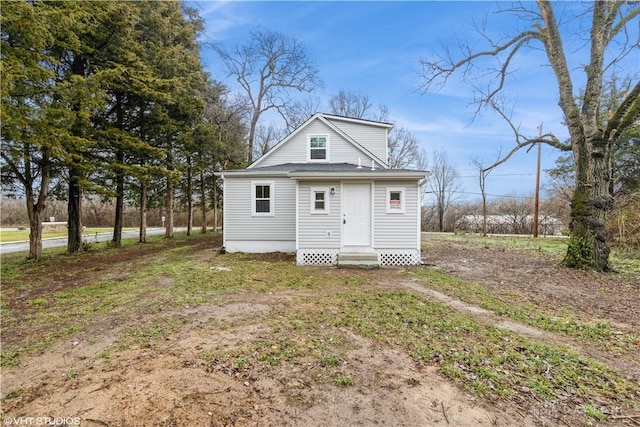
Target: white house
326	192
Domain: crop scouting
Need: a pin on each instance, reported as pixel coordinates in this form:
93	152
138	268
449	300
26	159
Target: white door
356	215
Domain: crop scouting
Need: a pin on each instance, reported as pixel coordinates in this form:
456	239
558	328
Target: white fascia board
244	173
359	121
356	175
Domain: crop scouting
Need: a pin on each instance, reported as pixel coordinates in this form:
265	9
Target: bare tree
404	151
517	214
350	104
296	113
444	183
266	137
357	105
483	172
591	138
267	68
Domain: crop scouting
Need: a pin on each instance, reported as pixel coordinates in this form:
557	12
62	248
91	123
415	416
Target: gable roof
323	118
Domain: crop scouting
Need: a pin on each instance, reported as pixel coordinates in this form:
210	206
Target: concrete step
358	260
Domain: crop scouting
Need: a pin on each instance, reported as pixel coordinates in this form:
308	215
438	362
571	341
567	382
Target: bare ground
169	384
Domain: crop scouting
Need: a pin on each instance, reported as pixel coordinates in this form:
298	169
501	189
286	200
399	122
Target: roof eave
248	173
358	175
357	120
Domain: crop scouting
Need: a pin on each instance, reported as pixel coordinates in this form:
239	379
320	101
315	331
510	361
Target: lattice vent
317	257
399	257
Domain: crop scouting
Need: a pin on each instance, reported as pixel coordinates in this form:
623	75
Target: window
319	204
395	200
318	147
319	200
262	200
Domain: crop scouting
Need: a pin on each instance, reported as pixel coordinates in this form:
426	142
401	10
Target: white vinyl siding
393	230
318	231
241	224
296	149
373	138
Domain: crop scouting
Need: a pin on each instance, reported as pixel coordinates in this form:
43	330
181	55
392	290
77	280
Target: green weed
13	394
595	413
344	381
10	357
509	304
38	302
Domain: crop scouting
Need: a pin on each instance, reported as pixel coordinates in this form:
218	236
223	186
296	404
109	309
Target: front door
356	216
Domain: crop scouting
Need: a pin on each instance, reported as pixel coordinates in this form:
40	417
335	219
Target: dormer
325	138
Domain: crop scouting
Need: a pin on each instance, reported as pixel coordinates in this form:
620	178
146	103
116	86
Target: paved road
9	247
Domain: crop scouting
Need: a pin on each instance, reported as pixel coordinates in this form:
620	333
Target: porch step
358	260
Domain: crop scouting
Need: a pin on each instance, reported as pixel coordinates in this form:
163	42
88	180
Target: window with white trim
262	198
320	200
318	147
395	200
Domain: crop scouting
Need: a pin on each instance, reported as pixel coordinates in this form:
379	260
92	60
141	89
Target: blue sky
376	47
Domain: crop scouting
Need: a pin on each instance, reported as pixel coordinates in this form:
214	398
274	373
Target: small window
262	201
318	145
319	200
395	200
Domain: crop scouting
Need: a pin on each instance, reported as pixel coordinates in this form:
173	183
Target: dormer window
318	147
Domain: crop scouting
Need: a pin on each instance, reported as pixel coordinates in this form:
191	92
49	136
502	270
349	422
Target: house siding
240	225
318	230
295	149
374	138
396	230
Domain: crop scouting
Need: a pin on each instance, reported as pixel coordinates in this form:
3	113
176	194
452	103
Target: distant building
511	224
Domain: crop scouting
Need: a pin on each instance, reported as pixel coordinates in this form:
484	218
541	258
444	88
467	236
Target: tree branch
523	141
625	115
443	68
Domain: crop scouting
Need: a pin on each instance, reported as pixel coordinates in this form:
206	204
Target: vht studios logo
42	421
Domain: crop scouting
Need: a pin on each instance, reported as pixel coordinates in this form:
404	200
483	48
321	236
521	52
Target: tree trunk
215	203
441	205
116	241
203	201
143	212
483	181
588	244
35	207
189	197
74	211
35	228
169	206
74	202
252	133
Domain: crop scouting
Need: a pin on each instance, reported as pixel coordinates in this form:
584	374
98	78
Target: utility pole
537	196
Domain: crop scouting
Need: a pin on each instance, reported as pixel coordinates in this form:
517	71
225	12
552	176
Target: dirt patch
541	280
170	384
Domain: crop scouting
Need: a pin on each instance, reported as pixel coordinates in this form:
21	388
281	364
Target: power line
505	174
506	196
